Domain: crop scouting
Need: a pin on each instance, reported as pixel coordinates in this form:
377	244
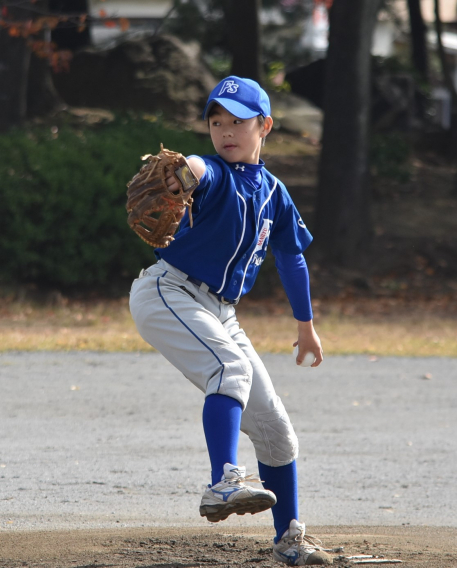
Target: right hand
171	182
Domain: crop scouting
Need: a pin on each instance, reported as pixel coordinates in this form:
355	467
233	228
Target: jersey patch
301	224
262	242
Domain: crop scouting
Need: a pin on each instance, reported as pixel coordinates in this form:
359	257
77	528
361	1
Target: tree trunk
67	35
26	86
244	28
448	81
418	38
343	221
42	96
14	67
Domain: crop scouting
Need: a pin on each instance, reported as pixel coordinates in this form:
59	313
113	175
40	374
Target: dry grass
345	328
95	326
341	336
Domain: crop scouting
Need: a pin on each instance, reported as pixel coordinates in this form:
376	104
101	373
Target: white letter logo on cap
229	86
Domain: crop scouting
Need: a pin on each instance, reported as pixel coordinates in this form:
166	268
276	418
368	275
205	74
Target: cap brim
234	107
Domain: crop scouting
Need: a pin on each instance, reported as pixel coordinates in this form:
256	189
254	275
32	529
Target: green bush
63	195
390	157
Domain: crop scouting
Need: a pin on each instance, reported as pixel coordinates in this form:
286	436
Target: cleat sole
216	513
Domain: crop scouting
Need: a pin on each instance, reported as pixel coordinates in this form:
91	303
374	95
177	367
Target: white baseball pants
202	338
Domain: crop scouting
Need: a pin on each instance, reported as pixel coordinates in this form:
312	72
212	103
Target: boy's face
236	139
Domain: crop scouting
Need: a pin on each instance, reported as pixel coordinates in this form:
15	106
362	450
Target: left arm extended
294	275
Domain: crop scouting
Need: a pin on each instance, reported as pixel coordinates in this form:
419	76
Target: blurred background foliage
390	157
63	201
63	218
205	22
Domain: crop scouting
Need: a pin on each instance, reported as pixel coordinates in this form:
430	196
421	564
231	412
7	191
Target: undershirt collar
252	172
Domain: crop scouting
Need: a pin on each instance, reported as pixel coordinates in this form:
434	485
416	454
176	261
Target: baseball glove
154	210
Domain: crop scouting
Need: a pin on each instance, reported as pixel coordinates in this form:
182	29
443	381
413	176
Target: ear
267	126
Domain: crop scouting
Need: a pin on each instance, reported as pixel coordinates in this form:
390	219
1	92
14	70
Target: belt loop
204	288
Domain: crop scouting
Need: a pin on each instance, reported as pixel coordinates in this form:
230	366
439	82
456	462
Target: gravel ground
97	445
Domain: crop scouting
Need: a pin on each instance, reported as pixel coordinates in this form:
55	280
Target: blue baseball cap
244	98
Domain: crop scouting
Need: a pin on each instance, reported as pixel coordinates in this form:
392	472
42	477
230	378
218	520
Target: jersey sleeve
207	181
289	233
294	275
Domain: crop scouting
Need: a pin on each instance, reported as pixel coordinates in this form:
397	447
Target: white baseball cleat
297	549
231	495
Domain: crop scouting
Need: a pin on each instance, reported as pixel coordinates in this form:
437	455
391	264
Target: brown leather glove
154	210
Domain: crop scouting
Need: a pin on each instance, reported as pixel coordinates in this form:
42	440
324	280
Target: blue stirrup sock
221	424
283	481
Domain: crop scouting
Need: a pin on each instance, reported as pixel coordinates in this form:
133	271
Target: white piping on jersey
239	243
257	228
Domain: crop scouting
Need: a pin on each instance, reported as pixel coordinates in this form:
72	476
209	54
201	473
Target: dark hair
212	111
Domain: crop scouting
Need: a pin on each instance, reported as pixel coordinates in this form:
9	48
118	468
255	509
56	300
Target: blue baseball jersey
238	210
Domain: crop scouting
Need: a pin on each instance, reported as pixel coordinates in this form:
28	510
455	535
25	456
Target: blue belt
218	296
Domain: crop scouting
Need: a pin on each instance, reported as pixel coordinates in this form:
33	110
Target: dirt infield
416	547
95	472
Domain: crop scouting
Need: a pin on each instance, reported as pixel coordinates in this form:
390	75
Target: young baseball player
184	306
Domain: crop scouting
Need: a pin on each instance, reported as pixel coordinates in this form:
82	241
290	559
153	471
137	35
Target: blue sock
221	423
283	481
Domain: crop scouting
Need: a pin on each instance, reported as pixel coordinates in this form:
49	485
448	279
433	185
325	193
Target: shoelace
312	541
307	541
252	477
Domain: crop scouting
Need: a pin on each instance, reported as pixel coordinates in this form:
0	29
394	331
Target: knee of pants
275	441
234	378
